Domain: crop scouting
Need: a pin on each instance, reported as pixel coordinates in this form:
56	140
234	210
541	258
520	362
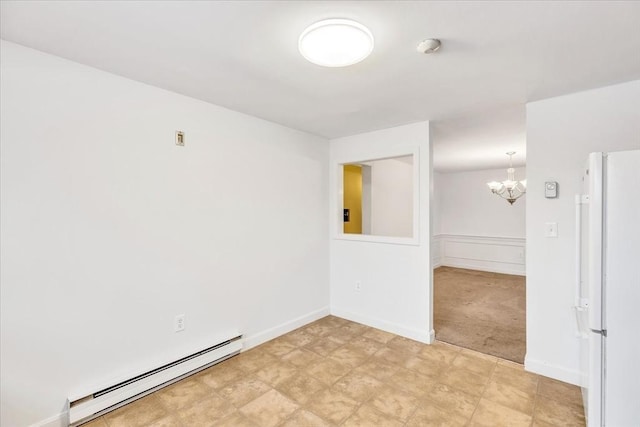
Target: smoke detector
428	46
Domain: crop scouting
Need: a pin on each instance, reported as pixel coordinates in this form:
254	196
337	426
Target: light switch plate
180	138
551	229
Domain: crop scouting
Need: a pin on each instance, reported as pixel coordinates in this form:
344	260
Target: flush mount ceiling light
336	43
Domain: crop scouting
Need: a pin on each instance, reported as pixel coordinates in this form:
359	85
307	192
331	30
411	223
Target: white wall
436	194
561	132
391	198
473	228
109	229
469	208
396	278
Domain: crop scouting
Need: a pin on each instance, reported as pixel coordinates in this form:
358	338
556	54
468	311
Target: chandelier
510	189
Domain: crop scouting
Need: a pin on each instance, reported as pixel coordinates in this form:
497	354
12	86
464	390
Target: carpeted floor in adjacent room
481	311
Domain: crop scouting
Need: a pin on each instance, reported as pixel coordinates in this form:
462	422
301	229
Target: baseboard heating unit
92	405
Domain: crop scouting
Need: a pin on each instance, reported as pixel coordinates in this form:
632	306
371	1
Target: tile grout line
535	401
350	371
484	390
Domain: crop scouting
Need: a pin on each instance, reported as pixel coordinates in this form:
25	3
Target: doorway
479	285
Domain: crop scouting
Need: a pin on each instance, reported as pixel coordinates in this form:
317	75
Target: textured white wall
561	132
467	206
396	278
391	198
109	229
474	228
436	191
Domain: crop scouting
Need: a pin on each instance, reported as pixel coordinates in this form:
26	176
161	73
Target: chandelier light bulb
336	43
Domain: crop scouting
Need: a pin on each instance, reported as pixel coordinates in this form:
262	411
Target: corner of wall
286	327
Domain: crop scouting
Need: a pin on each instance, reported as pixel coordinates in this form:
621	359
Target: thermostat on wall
550	189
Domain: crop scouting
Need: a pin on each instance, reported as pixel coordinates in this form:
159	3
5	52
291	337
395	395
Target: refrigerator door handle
582	330
594	279
579	302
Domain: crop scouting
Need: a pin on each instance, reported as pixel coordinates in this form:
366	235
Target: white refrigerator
608	287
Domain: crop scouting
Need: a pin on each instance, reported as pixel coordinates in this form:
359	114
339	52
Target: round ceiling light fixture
335	42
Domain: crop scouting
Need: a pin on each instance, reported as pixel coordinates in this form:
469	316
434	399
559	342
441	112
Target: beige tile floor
334	372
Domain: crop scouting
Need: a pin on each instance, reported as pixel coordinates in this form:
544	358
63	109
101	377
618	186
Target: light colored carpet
481	311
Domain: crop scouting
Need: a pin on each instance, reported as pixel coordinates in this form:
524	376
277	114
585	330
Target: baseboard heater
89	406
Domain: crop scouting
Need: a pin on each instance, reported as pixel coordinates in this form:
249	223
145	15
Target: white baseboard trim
482	266
59	420
559	373
424	336
271	333
432	336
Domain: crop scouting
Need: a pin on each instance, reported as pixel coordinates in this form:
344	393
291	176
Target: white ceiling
495	57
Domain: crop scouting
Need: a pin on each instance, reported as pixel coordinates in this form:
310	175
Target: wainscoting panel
495	254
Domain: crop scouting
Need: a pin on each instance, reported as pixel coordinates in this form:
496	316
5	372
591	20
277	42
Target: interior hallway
481	311
334	372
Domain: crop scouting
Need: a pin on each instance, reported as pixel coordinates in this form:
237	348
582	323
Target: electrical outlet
358	285
178	323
